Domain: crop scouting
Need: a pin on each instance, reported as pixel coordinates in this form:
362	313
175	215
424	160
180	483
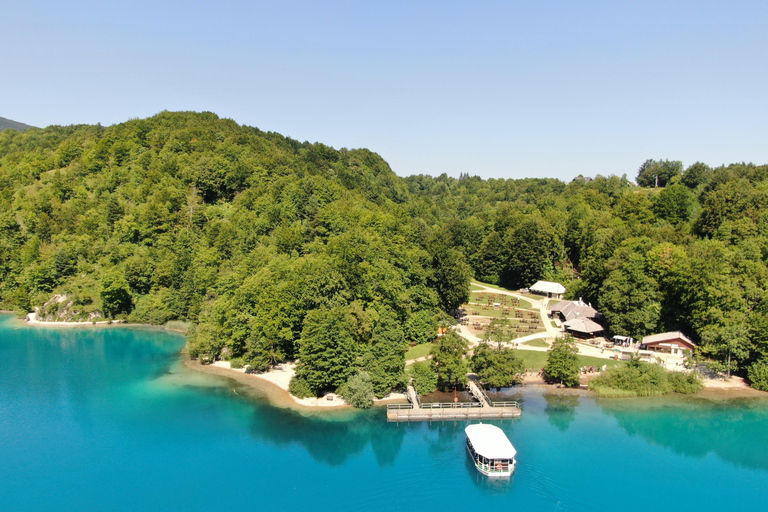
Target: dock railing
416	395
511	403
451	405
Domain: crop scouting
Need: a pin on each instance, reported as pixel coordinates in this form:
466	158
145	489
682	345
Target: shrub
687	383
638	378
237	362
758	375
358	390
643	379
299	388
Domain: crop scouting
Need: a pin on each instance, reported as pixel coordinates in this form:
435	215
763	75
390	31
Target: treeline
274	249
687	255
279	249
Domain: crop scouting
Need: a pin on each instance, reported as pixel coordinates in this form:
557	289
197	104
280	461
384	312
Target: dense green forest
278	249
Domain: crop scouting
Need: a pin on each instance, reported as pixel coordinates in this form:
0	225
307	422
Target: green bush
424	377
758	375
686	383
641	378
638	378
358	390
299	388
237	362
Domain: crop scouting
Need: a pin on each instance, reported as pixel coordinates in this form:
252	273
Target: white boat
490	450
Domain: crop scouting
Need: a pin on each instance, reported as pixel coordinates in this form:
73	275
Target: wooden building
669	342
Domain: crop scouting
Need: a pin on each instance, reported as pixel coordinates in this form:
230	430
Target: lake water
108	419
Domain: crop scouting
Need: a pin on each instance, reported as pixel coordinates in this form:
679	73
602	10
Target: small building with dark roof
583	327
568	310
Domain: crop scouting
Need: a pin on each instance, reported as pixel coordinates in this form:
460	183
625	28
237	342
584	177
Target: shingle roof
584	325
574	309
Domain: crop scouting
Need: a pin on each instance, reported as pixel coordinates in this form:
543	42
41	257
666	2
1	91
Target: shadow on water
733	429
330	441
330	437
561	410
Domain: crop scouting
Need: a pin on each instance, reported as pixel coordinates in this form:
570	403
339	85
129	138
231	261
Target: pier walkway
483	408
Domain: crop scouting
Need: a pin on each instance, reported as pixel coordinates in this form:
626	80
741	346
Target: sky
499	89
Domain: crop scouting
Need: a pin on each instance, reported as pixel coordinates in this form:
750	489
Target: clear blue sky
498	89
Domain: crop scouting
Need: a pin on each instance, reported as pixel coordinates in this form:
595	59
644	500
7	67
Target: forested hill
247	233
275	248
6	124
688	255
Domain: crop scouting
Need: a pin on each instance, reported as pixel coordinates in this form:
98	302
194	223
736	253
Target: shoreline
32	322
274	384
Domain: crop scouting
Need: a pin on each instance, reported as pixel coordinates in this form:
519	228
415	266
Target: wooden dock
483	408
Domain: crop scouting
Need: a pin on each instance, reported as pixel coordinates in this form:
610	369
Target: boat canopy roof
490	441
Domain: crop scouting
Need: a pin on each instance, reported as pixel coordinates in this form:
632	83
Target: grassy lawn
533	296
418	351
539	359
521	303
536	343
474	283
488	312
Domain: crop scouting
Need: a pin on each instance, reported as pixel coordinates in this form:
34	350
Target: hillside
6	124
253	236
267	244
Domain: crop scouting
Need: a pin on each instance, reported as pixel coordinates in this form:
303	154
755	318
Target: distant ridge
7	123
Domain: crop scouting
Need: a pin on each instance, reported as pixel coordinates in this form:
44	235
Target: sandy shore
274	384
31	319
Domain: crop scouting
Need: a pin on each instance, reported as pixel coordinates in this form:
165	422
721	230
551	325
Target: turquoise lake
109	419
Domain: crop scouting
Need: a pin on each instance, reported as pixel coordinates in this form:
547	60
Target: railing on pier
450	405
511	403
440	411
477	387
415	395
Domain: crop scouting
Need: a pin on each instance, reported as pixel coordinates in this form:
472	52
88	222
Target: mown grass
536	343
492	286
418	351
537	359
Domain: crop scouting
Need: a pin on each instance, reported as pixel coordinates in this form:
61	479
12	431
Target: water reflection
734	429
561	409
330	441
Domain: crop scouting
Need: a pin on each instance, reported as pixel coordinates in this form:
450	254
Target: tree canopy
254	237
